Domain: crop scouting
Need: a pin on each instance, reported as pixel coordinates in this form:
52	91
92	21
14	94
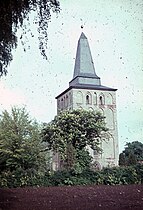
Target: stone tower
86	92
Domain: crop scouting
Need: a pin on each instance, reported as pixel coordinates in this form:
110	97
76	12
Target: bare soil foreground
73	198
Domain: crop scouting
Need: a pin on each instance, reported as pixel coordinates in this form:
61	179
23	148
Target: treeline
25	147
107	176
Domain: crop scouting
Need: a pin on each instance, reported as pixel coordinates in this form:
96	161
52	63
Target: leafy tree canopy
132	153
12	15
72	131
20	145
135	148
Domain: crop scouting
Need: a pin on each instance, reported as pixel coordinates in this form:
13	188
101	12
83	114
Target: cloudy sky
114	29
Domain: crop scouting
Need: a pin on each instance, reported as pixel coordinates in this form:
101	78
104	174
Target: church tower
86	92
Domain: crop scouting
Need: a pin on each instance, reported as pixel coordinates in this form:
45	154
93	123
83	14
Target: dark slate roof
84	76
84	66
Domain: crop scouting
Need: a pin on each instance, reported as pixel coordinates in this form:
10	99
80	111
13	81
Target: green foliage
60	178
93	177
120	175
131	159
12	15
110	176
139	171
23	162
20	178
21	159
122	159
83	161
107	176
71	131
132	154
136	148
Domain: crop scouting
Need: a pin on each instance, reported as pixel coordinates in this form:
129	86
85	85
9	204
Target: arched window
62	103
95	98
101	99
109	99
66	101
88	98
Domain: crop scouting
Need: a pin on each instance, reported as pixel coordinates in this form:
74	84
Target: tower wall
96	100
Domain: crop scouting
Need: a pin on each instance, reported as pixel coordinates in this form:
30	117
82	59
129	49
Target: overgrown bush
59	178
21	178
139	170
107	176
132	153
120	175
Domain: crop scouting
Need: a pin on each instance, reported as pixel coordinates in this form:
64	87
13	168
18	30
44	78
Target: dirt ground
73	198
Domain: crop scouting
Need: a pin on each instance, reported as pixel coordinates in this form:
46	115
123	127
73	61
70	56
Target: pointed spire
84	71
82	36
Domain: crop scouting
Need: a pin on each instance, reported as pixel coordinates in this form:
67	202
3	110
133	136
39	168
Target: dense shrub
120	175
95	177
21	178
132	153
60	178
139	170
111	176
108	176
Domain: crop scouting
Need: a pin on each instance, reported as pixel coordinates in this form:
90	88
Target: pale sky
114	29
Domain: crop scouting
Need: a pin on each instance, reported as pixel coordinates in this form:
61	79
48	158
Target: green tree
20	146
132	153
122	159
131	159
12	16
73	131
83	161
